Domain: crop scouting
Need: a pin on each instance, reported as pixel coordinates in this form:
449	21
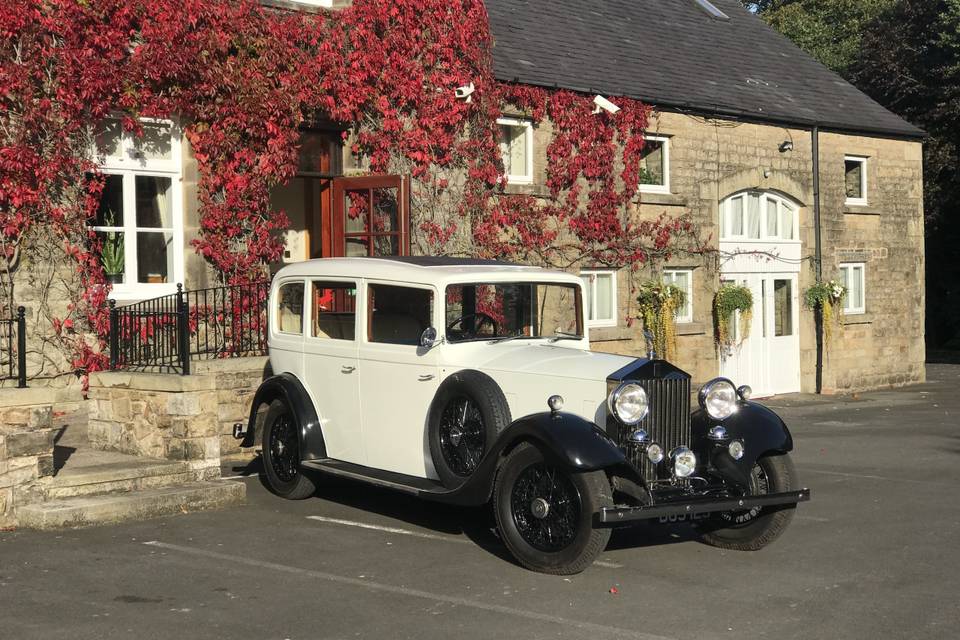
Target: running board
411	485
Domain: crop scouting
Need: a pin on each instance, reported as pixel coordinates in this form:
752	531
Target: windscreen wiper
563	335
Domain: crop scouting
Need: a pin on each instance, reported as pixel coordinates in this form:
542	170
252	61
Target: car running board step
407	484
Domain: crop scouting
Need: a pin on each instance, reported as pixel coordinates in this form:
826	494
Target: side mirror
428	339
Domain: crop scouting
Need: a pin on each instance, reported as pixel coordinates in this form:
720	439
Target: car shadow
477	524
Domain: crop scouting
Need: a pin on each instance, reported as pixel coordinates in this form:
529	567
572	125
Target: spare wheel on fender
465	417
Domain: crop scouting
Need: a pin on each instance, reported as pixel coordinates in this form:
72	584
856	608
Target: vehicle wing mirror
428	339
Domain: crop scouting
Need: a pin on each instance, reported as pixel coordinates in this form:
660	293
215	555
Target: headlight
684	462
719	398
654	453
629	403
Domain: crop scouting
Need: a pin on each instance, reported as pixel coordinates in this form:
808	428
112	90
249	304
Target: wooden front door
370	216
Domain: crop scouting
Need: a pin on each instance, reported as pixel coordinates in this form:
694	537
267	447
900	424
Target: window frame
527	126
863	200
686	318
614	299
311	319
725	219
852	267
276	325
129	167
665	187
367	326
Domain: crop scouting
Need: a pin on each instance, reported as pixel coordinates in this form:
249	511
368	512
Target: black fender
288	388
565	439
762	431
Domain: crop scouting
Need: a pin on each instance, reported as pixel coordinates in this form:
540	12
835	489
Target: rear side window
398	315
334	310
290	308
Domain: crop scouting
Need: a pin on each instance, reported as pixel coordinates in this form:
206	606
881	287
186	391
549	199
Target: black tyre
755	528
281	454
545	513
465	417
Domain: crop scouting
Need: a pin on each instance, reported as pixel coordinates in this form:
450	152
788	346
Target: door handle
427	377
347	369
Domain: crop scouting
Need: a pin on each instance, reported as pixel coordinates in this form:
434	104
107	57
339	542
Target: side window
397	315
290	308
854	281
600	297
334	310
683	280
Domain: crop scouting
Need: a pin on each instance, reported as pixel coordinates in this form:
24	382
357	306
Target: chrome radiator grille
667	423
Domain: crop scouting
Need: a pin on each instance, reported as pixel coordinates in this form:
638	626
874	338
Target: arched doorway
760	248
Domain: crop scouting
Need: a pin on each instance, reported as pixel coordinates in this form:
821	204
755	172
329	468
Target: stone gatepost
171	416
26	447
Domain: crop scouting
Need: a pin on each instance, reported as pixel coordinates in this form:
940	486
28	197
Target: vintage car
467	382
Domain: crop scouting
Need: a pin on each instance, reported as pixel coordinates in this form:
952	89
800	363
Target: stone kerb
171	416
26	446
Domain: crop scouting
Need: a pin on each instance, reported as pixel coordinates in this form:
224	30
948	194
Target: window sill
859	210
610	334
143	292
691	329
856	203
525	189
854	319
660	198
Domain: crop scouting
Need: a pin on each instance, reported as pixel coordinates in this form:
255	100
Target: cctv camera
465	92
606	105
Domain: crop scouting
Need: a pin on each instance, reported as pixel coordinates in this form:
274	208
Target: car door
330	365
398	378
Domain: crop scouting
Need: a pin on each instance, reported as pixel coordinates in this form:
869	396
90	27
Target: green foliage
731	298
828	297
658	304
112	253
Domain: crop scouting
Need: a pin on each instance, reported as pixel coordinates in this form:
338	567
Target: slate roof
672	54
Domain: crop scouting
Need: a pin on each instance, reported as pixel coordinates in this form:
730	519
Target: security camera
466	92
606	105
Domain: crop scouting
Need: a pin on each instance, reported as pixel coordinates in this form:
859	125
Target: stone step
89	472
87	511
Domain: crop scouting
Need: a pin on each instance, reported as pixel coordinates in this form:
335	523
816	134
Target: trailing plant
658	304
730	299
828	297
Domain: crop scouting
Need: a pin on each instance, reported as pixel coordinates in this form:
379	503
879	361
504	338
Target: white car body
373	399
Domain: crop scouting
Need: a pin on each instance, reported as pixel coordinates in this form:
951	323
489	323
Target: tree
910	63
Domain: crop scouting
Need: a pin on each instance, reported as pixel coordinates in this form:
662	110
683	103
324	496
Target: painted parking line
418	534
590	627
864	476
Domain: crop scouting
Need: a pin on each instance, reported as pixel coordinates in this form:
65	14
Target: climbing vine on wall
241	79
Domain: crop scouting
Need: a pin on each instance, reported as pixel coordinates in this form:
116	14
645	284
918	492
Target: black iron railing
164	334
13	348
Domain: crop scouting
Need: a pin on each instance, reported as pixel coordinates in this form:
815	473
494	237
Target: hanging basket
658	304
730	299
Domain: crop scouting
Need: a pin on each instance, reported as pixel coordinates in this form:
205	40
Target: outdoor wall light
786	145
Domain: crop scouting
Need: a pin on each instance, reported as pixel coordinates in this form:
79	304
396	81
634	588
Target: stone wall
175	417
26	446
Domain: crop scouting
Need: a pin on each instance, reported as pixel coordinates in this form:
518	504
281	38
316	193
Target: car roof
436	270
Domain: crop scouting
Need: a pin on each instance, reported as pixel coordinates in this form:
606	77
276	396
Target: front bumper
616	515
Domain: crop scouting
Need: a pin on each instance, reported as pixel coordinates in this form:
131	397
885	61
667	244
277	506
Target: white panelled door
768	359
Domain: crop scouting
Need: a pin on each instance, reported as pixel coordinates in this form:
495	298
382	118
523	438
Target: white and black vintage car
469	382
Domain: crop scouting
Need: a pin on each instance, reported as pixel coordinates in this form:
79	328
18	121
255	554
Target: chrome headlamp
719	398
684	462
628	403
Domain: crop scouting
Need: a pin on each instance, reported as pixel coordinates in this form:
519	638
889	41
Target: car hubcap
545	507
462	437
284	449
759	485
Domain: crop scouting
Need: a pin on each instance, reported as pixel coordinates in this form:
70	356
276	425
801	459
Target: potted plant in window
111	255
658	304
731	298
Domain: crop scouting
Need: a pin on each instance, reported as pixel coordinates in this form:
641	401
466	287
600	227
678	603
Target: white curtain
753	216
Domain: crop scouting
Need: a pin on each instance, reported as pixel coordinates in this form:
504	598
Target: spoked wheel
545	513
462	436
755	528
281	454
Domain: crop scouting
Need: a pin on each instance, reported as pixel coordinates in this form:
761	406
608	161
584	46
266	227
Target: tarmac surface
875	554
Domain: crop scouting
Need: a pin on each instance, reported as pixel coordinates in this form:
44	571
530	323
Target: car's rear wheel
545	513
465	417
755	528
281	454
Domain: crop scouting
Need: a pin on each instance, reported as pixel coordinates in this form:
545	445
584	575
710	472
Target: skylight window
712	11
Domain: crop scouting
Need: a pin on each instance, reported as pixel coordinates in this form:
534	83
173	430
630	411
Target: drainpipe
817	253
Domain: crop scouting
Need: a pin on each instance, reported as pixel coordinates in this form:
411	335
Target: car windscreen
515	310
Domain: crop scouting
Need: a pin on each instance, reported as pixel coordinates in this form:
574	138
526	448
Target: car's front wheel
545	513
281	454
755	528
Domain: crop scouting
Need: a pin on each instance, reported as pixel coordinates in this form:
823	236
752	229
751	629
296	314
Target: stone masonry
26	447
174	417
